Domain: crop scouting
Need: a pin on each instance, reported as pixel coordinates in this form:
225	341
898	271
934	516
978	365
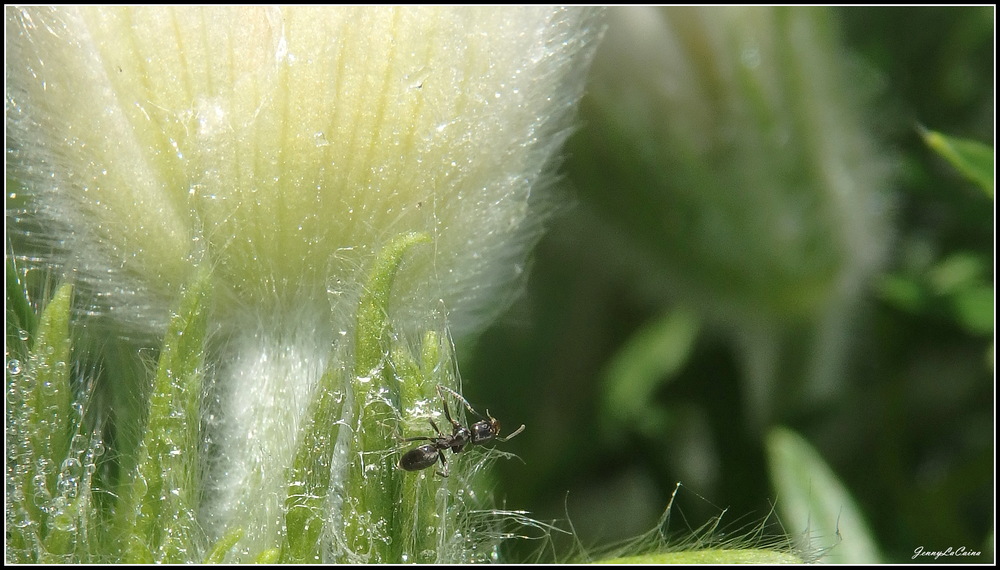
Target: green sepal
158	504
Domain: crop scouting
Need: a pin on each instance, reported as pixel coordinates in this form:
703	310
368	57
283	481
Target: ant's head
484	430
489	428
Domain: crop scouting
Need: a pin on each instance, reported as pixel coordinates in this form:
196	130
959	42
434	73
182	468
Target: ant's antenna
510	436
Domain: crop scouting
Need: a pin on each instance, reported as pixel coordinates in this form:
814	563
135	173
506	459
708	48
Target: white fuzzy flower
284	147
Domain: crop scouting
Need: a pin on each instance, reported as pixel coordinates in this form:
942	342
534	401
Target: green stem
373	527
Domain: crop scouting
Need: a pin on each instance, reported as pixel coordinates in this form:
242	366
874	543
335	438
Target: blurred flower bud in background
728	148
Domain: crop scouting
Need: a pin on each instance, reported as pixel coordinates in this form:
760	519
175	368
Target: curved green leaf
973	159
813	500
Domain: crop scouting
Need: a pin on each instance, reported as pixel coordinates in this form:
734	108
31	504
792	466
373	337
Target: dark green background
911	433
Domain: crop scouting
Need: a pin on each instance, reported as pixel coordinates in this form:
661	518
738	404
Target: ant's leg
418	438
425	438
444	463
435	426
459	397
447	414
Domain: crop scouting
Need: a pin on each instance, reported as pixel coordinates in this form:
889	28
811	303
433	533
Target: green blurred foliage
909	430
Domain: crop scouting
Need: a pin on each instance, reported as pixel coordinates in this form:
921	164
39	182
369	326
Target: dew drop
139	486
71	466
14	366
42	464
41	492
67	486
23	334
63	521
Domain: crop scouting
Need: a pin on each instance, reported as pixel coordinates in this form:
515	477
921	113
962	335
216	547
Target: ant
428	454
